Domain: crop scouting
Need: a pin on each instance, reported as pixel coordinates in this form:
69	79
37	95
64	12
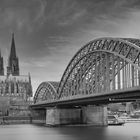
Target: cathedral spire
1	65
0	52
13	64
13	49
29	77
30	86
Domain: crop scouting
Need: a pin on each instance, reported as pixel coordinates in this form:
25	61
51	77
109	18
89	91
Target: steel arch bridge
102	66
46	91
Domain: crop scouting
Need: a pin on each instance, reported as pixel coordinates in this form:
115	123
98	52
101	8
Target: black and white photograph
69	69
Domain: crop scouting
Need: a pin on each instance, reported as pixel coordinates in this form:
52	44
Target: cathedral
14	88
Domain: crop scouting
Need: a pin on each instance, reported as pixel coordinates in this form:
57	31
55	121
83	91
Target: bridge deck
127	95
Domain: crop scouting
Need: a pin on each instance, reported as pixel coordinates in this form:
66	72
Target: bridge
105	70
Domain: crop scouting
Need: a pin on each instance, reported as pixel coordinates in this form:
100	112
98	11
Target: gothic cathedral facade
13	84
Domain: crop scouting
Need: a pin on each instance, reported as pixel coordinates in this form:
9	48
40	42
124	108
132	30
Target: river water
129	131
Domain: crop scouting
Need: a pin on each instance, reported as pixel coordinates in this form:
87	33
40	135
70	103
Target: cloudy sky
49	32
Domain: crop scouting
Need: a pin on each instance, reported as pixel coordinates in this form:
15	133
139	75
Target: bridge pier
61	116
94	115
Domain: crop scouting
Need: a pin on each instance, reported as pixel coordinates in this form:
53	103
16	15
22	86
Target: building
15	89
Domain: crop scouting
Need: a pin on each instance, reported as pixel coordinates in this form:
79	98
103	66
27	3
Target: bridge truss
104	65
46	91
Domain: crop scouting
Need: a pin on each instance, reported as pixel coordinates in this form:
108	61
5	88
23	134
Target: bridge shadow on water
83	132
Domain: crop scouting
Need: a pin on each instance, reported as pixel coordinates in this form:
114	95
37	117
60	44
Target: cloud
65	12
22	15
41	12
73	18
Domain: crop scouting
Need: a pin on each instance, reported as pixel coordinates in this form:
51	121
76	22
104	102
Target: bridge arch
102	65
46	91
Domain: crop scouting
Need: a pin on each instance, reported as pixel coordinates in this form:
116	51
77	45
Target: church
15	89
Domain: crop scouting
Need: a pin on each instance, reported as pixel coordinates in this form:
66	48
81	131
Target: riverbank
132	120
7	120
20	120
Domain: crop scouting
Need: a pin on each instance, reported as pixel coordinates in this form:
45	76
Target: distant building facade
16	89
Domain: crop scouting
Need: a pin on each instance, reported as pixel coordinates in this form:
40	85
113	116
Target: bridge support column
95	115
58	116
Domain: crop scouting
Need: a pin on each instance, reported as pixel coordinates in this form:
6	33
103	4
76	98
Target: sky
49	32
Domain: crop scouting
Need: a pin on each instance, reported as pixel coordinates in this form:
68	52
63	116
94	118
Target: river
128	131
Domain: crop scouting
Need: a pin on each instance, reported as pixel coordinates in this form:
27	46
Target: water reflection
129	131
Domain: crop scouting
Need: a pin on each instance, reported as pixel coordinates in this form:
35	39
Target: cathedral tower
1	65
13	64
